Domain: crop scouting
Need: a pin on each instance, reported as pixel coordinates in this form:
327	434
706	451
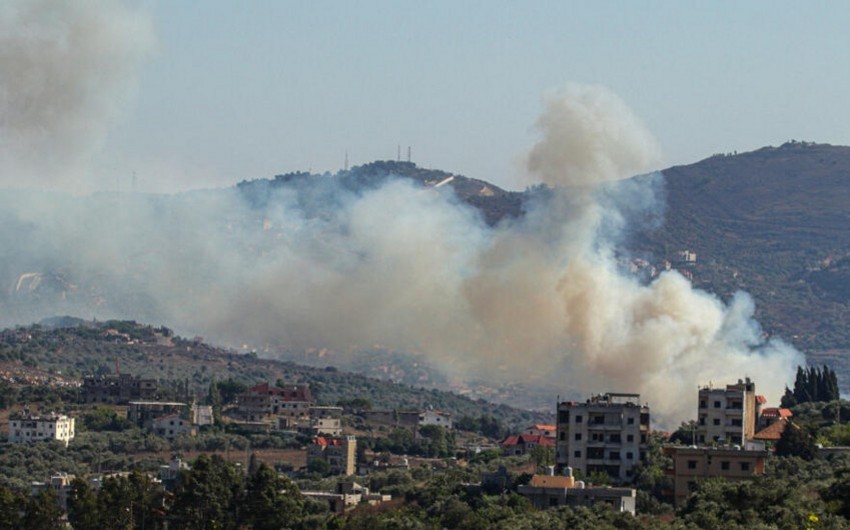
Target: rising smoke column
412	269
67	68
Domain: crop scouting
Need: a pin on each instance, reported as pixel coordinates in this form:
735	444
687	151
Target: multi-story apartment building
287	406
727	415
339	453
607	433
324	421
26	427
691	464
117	388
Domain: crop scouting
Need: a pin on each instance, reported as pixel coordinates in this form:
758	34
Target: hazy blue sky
251	89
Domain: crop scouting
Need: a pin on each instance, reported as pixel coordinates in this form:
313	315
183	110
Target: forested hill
75	348
776	223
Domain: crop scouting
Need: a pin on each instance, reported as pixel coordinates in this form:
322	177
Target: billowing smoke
67	68
315	263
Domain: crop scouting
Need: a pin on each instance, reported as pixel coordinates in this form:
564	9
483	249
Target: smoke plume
67	69
318	264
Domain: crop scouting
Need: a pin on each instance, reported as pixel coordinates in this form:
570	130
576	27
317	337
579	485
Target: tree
271	502
207	496
10	505
42	512
82	506
794	441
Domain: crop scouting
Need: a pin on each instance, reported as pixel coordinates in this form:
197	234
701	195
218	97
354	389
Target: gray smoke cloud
541	298
67	68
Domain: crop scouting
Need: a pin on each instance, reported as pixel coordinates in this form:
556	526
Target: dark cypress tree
800	386
788	399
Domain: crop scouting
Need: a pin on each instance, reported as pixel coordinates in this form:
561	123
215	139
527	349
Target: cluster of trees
433	442
812	385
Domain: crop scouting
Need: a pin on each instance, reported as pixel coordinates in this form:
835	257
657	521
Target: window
578	418
630	421
724	465
717	404
692	464
563	416
577	454
702	404
737	422
615	439
717	421
578	436
745	466
630	456
630	437
614	455
563	436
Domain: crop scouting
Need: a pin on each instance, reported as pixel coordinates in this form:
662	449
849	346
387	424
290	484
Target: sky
231	91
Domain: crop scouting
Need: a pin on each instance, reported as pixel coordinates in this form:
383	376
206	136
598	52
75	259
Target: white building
30	428
171	426
435	417
607	434
727	416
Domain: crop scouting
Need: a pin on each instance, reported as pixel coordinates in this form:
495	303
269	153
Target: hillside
776	223
96	348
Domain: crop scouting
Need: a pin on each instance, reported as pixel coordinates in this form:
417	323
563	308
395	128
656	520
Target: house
171	426
522	444
339	453
727	415
348	495
143	413
117	388
26	427
607	434
771	415
691	464
542	429
285	406
546	491
412	419
435	417
202	415
324	421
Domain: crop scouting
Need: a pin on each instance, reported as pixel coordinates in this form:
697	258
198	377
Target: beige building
339	453
26	427
691	464
171	426
547	491
607	433
325	421
727	415
284	407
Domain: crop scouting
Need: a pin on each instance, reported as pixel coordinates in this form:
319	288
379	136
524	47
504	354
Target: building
771	415
325	421
727	415
691	464
547	491
61	486
117	388
339	453
411	419
347	496
435	417
26	427
202	414
286	406
542	430
143	413
607	433
171	426
522	444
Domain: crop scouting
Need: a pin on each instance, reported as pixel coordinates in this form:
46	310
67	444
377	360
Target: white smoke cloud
68	68
413	269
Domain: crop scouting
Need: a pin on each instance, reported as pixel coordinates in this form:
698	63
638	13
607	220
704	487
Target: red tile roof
775	412
774	430
761	400
524	439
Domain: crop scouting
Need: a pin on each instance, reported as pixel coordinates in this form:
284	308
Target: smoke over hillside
406	266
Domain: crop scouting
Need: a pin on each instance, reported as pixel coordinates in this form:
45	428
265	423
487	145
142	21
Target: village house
117	388
691	464
520	445
546	491
607	434
171	426
25	427
284	407
324	421
549	431
339	453
143	413
348	495
411	419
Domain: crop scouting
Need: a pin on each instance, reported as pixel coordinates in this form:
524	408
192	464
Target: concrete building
286	406
607	433
339	453
143	413
325	421
348	495
202	414
26	427
118	388
171	426
727	415
412	419
550	431
435	417
691	464
547	491
519	445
